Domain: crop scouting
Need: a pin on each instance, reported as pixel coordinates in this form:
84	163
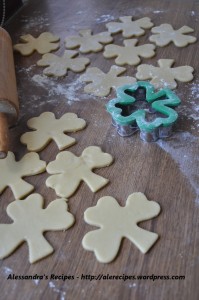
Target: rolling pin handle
3	135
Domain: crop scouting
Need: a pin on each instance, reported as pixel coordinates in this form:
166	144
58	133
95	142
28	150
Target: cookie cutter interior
138	107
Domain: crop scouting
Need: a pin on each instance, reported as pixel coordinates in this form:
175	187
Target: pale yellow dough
129	54
59	66
30	221
165	34
44	43
117	222
128	27
87	42
12	172
164	76
69	170
102	83
48	128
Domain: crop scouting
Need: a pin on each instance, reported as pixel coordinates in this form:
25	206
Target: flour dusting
189	107
158	11
24	70
132	285
7	271
35	21
70	90
80	12
55	88
56	290
194	14
40	80
104	19
182	147
36	281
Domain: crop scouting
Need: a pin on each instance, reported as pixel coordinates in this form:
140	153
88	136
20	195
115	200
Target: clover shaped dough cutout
165	34
12	172
58	66
44	43
48	128
69	170
164	75
102	83
88	42
128	27
129	54
117	222
30	221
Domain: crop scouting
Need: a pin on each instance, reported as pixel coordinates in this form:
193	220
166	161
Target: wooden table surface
165	171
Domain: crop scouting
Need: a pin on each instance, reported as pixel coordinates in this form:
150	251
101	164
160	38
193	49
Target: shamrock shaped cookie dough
58	66
129	54
102	83
165	34
44	43
12	172
30	221
117	222
69	170
48	128
164	75
88	42
128	27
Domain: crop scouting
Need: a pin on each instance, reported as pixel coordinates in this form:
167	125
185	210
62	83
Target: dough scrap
12	172
48	128
128	27
58	66
165	34
30	221
44	43
129	54
88	42
70	170
117	222
102	83
164	75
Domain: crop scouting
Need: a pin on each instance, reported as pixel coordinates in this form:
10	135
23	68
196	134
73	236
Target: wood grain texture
3	135
166	171
8	88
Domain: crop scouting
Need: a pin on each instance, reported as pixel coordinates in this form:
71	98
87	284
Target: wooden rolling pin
9	105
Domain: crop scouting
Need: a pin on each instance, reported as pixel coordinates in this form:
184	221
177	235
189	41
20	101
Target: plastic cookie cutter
139	107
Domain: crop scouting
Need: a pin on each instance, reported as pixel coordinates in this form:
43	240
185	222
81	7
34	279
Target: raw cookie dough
48	128
70	170
88	42
58	66
12	172
129	54
128	27
44	43
165	34
164	75
117	222
102	83
30	221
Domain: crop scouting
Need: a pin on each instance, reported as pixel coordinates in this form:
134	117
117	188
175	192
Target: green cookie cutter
138	106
